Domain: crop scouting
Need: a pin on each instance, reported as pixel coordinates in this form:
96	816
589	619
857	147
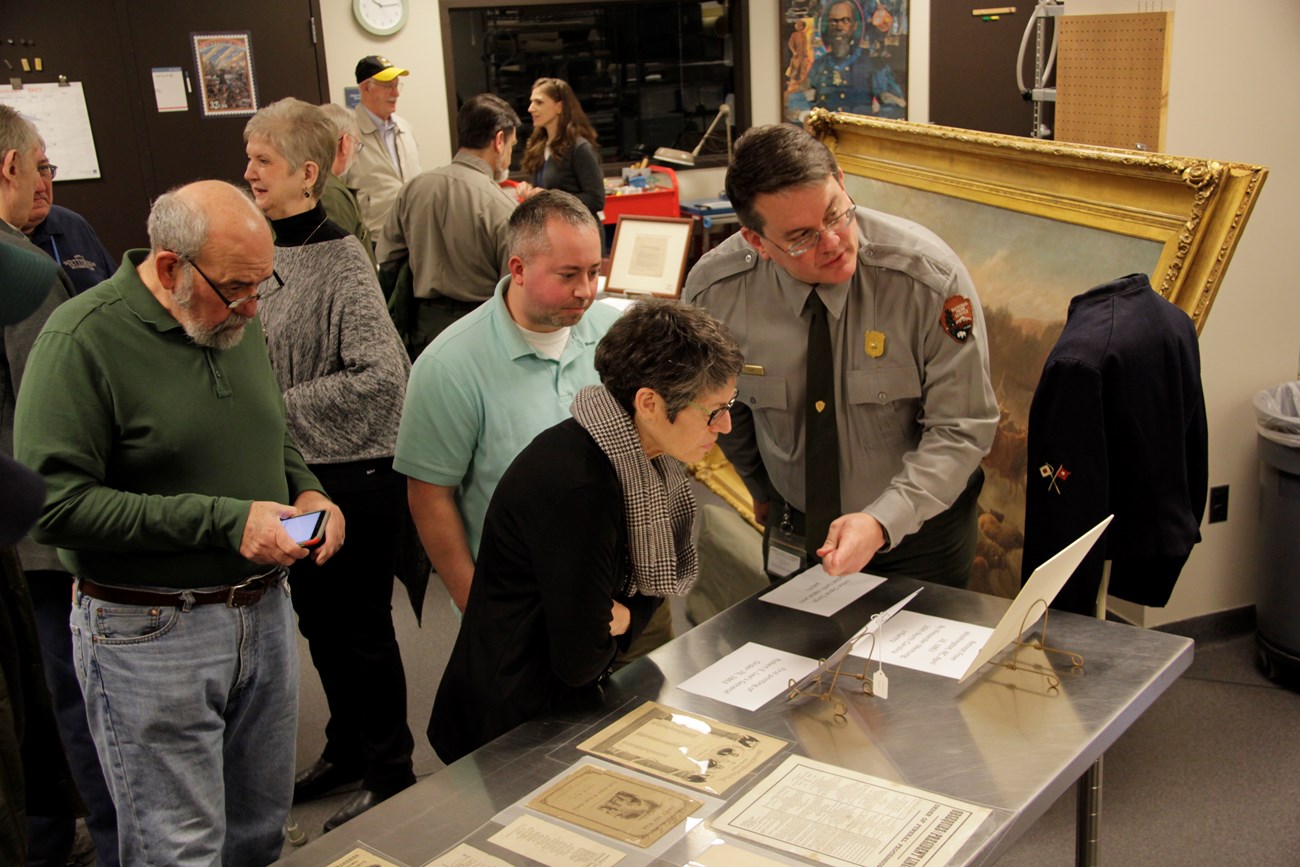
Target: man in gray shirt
452	222
905	384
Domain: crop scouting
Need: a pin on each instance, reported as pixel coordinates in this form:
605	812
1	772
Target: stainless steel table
1003	739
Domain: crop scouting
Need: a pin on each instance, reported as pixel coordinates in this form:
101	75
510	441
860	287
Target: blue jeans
194	712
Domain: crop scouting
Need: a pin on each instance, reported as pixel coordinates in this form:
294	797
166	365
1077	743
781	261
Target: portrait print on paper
616	805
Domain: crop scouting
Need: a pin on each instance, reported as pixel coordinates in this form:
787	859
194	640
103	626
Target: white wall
418	47
1233	93
1234	99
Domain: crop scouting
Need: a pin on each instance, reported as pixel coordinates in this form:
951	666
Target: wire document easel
821	682
1014	664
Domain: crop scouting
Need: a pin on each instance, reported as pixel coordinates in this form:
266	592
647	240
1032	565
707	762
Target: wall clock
381	17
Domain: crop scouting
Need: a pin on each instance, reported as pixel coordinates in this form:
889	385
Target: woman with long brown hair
561	153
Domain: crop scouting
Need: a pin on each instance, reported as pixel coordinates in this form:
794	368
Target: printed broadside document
548	843
835	816
683	748
750	676
818	593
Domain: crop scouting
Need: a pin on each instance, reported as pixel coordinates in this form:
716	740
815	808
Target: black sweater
536	628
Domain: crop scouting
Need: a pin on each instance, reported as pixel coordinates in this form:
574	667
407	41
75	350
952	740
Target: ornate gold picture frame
1194	208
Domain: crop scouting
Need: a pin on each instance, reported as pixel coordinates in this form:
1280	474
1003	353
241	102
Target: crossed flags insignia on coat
1054	476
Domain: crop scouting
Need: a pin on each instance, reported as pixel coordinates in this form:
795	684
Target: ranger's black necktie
821	444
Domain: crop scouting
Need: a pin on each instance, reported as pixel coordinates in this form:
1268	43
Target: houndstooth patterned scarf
657	499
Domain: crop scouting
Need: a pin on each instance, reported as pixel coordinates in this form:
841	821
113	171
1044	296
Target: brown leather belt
241	595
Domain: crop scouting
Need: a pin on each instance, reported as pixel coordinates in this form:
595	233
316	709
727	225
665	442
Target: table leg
1087	816
1087	796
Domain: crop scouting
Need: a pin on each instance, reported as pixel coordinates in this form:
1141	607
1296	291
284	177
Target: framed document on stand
649	255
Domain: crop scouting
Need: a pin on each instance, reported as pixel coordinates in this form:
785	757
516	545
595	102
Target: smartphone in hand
307	530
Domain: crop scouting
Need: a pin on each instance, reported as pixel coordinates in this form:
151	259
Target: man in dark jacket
34	774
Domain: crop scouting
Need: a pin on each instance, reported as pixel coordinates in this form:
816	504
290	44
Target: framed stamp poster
225	71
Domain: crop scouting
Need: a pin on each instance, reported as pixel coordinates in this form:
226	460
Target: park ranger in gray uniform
911	406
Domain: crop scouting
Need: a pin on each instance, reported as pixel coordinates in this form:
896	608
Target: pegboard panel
1112	79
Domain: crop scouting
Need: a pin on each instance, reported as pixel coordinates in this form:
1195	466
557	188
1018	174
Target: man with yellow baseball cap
389	154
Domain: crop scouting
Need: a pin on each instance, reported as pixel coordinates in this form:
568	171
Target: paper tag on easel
880	684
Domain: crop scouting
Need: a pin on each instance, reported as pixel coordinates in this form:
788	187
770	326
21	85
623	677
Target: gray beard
220	337
225	335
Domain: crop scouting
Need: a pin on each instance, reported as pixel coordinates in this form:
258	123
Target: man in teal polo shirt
498	377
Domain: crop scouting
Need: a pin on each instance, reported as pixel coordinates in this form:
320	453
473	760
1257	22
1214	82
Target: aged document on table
838	816
649	256
723	854
360	857
616	805
548	843
465	855
683	748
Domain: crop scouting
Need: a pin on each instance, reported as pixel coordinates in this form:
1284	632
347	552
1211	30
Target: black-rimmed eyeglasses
48	169
277	285
714	413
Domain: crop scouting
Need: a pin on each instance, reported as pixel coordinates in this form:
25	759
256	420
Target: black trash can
1277	609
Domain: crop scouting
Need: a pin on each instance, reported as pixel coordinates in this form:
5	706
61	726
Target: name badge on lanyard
785	550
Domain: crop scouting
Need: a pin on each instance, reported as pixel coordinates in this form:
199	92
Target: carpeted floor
1210	775
424	653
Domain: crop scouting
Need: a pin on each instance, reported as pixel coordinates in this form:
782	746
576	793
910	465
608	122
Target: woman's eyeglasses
715	413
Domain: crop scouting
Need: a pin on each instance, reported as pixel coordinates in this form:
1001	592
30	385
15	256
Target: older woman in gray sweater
342	368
